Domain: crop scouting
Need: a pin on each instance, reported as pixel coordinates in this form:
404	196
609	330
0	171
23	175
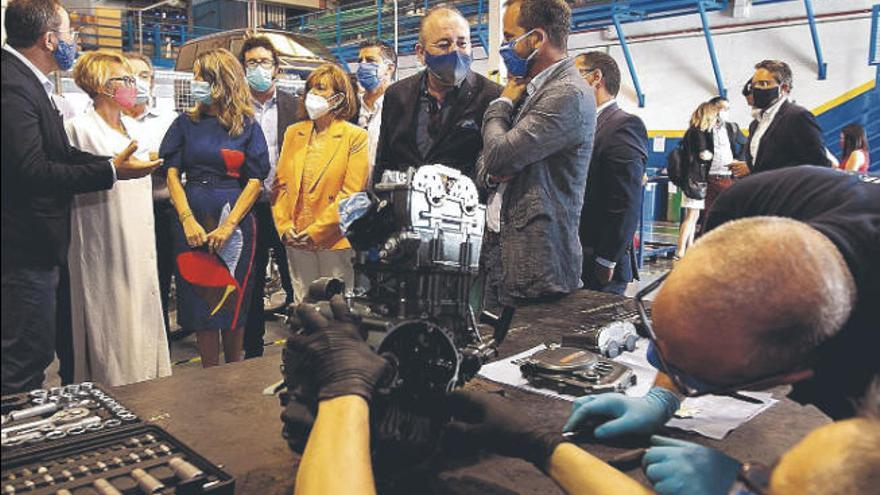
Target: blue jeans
28	326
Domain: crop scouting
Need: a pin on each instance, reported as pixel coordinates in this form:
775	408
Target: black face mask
764	97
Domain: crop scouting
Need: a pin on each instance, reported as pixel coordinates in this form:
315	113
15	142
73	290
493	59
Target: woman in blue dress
222	153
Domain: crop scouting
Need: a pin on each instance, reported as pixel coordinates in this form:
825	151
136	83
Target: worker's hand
129	167
333	353
685	468
739	169
603	273
494	423
194	232
515	89
622	415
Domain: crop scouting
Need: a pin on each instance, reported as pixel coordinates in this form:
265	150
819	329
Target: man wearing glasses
41	173
274	110
783	289
435	116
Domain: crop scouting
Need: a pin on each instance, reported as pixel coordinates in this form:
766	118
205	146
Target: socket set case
40	417
133	460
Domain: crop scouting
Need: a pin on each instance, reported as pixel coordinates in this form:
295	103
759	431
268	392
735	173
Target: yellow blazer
344	173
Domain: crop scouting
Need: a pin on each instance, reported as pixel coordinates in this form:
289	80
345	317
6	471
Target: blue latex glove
622	415
685	468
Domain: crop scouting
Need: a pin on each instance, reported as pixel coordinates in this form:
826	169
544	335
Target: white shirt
154	125
722	156
493	209
605	105
764	121
371	120
267	115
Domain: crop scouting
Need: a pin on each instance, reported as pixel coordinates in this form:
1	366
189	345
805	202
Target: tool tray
91	397
72	465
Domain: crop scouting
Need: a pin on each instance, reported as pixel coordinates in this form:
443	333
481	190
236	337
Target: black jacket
291	109
41	172
614	191
793	138
700	147
461	140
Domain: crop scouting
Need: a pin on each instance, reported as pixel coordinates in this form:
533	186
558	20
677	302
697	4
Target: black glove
496	424
334	354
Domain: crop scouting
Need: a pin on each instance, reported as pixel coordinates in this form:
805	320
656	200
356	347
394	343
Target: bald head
841	457
753	297
439	20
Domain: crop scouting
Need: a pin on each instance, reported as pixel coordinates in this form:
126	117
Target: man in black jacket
614	184
435	116
784	134
275	110
40	174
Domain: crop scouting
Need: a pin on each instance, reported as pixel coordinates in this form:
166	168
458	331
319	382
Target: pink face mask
126	96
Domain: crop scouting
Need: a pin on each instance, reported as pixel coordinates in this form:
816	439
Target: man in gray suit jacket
537	140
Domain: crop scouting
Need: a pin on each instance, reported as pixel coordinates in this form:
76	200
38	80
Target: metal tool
104	487
50	423
148	484
184	470
30	412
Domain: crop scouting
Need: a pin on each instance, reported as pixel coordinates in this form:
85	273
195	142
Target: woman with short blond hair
323	160
700	151
116	313
223	153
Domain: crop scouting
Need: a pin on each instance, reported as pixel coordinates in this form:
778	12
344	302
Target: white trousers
308	266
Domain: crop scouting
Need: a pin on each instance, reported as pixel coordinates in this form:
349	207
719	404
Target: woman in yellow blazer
323	160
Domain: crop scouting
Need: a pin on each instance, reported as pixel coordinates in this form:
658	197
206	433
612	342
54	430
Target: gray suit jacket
546	149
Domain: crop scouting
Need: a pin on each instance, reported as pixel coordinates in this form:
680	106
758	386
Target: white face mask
317	106
724	115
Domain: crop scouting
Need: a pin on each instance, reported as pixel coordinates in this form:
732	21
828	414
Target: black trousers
64	328
267	242
164	215
28	326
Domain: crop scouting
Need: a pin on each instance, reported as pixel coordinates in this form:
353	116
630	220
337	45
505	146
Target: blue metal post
157	42
379	19
820	61
426	7
338	27
480	26
716	68
873	56
629	61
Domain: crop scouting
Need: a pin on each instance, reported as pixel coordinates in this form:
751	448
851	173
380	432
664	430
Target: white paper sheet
711	416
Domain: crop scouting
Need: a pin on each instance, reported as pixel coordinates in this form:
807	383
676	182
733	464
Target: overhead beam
710	45
817	46
615	18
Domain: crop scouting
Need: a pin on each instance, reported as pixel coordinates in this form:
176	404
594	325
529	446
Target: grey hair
791	279
442	9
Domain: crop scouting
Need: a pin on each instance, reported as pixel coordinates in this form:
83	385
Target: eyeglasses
74	35
265	63
586	72
126	80
446	45
680	379
755	476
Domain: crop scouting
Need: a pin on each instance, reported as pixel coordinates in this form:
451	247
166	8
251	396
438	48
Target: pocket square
469	124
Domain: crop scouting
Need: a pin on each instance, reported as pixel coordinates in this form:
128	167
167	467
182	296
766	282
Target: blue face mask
516	65
690	381
451	68
201	92
259	79
65	54
368	75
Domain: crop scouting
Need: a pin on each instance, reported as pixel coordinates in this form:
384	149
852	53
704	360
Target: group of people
777	290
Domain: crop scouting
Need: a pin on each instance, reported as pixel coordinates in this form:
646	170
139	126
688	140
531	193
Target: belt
214	180
721	176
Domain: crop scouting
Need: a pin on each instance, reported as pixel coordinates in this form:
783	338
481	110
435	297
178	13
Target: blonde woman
323	160
223	153
699	144
116	313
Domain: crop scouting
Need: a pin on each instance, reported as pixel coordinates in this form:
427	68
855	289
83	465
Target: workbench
222	413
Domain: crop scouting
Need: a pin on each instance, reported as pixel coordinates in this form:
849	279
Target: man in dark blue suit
41	172
614	186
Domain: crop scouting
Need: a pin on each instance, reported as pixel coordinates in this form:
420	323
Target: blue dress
213	290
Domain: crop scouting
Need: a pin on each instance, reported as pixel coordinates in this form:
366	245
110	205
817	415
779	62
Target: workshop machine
417	235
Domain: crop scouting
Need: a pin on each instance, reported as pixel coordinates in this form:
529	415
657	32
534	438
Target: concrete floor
184	353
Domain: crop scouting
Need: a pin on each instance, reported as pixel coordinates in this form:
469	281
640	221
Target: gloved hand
494	424
624	415
333	353
685	468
